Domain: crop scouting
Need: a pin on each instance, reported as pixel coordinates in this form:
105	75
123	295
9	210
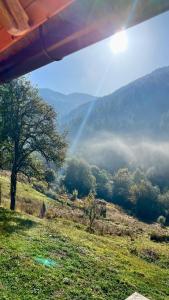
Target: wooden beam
5	18
13	17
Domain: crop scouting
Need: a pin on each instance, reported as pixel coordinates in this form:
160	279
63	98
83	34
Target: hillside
64	104
56	258
139	109
128	128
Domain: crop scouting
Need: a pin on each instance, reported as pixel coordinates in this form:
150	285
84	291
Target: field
57	258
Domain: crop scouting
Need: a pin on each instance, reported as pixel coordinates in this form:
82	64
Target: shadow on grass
11	222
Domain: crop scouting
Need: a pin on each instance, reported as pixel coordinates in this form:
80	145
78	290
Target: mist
112	152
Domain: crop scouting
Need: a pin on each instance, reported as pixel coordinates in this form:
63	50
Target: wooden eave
34	33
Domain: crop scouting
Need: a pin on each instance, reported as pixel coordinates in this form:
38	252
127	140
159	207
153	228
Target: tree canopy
79	176
27	130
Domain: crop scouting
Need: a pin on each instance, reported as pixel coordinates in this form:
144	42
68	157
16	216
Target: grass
86	266
27	198
58	259
23	190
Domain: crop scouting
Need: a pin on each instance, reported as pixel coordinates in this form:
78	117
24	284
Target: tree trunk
14	173
13	189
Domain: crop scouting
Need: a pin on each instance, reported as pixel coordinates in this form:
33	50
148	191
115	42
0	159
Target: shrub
159	237
91	211
51	194
39	187
74	195
149	255
94	209
161	220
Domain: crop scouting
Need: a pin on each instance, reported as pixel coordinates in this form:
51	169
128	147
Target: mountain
128	127
62	103
140	109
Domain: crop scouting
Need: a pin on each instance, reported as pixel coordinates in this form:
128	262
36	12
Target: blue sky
96	70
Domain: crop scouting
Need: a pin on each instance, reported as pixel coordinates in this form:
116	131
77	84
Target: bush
52	195
149	255
161	220
159	237
39	187
94	209
91	211
74	195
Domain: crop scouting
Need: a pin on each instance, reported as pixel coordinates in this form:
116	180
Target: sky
96	70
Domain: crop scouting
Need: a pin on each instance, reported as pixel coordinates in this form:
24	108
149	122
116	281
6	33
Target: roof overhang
36	32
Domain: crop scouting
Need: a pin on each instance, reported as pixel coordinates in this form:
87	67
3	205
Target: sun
119	42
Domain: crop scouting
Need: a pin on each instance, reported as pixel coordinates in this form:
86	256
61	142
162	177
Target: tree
27	128
91	210
94	209
164	204
121	191
78	176
147	201
103	183
49	176
159	175
138	176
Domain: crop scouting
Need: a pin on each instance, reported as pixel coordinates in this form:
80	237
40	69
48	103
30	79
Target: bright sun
119	42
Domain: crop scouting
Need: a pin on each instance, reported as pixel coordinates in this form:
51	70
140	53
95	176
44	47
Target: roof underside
36	32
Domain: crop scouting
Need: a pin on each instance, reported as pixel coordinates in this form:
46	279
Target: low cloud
112	152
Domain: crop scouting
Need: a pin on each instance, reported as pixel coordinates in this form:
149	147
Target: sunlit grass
24	191
58	259
86	266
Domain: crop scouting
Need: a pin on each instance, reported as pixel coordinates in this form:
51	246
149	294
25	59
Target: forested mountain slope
141	108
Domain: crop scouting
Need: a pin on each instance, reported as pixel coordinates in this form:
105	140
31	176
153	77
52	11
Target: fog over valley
112	152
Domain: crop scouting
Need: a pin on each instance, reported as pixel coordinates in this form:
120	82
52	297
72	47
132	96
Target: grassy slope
88	266
24	191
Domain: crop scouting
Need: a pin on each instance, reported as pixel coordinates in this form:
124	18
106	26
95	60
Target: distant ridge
64	104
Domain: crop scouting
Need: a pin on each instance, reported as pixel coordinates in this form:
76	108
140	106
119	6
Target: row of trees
131	190
29	140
